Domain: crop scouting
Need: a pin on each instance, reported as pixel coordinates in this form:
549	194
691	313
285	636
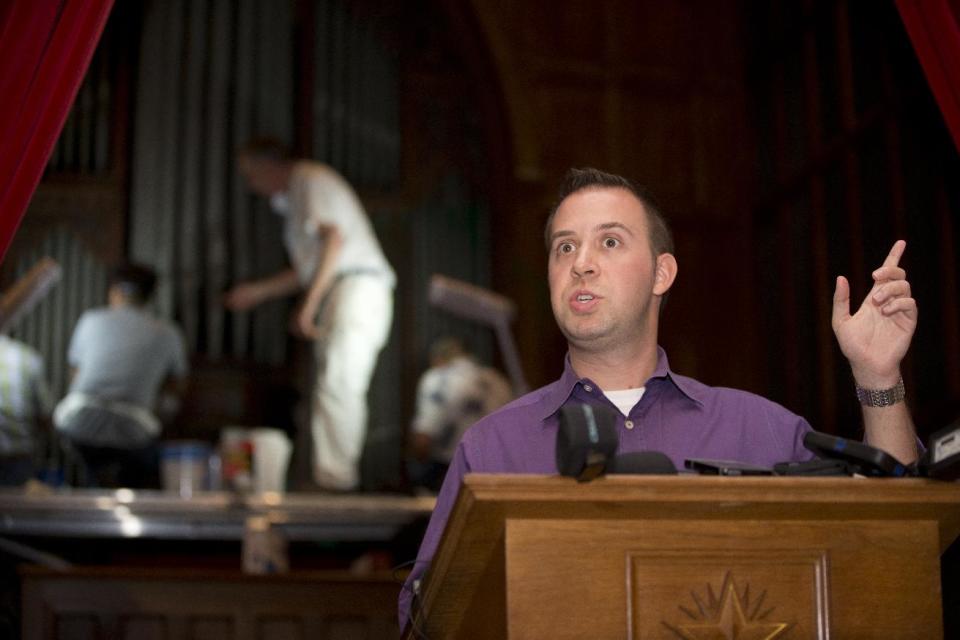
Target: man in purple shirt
610	266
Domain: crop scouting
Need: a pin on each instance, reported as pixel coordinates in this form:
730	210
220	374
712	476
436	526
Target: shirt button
588	388
628	424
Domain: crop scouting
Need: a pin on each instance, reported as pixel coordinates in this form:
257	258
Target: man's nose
584	264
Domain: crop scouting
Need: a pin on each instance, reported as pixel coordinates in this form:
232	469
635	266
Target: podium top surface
712	497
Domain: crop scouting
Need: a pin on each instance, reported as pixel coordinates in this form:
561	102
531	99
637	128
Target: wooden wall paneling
522	118
140	628
710	148
520	267
635	88
571	113
76	628
183	604
280	628
577	28
658	142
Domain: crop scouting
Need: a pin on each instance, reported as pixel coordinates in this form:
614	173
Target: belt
358	271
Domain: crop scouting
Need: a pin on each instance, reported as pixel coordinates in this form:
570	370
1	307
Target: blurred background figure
346	283
121	356
452	394
25	404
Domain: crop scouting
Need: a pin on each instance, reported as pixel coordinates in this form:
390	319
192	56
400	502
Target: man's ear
666	273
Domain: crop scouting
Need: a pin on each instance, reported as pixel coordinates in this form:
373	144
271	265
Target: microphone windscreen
586	440
642	463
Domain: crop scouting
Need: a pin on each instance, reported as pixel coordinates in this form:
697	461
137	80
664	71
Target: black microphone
642	463
586	440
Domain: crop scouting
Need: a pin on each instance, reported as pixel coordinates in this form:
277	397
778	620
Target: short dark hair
265	149
660	236
135	281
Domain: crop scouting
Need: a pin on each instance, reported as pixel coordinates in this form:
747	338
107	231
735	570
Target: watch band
881	397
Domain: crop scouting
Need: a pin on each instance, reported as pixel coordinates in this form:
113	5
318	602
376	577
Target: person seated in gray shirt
121	357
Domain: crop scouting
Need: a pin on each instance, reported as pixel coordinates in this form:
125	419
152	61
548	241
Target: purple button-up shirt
676	415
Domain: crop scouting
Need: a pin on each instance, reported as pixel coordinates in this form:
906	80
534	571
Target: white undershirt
625	399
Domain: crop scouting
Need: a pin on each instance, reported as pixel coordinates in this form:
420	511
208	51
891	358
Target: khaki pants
355	319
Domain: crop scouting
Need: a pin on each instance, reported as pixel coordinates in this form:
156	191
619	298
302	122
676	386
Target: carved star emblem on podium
728	617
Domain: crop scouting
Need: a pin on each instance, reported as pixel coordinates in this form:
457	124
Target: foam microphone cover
586	440
642	463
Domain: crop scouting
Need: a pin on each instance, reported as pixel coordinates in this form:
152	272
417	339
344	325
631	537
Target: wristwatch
881	397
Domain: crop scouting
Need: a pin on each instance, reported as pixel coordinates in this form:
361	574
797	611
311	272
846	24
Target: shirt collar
563	388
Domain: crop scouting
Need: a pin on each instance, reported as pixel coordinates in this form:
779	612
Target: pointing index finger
893	258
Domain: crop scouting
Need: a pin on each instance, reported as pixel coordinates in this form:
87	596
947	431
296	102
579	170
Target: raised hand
876	338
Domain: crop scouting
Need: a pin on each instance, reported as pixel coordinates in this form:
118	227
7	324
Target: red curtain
45	48
934	29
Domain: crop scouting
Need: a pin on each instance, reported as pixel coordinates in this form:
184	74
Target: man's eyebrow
560	234
614	225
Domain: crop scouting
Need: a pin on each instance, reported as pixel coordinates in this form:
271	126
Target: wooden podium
690	557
